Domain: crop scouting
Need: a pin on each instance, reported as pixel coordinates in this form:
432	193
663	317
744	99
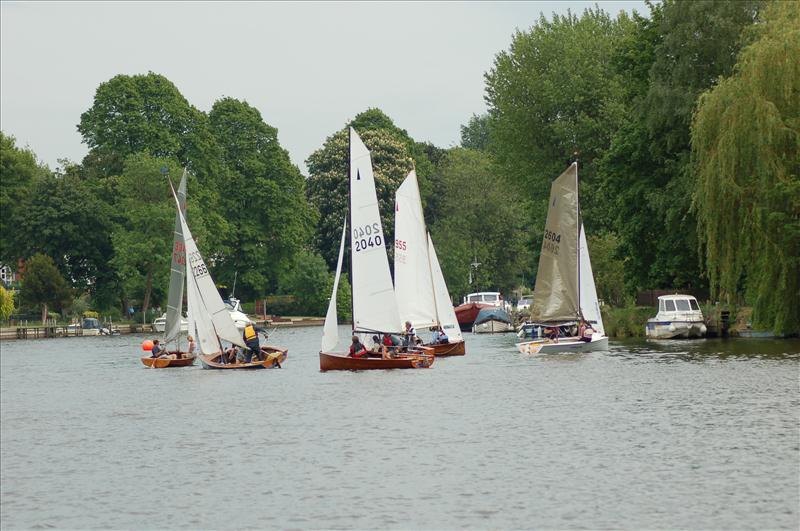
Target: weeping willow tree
746	149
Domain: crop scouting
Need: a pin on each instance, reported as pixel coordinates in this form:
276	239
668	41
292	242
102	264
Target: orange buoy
147	345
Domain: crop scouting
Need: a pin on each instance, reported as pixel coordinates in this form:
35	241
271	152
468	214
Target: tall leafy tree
18	171
554	96
263	200
746	140
143	238
481	221
44	286
6	303
328	183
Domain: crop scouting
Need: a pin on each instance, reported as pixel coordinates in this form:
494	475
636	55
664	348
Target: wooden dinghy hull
330	361
440	350
274	357
161	363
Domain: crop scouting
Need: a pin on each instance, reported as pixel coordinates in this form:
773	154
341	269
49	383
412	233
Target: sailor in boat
585	331
191	347
411	338
390	345
158	351
439	337
357	348
551	333
250	337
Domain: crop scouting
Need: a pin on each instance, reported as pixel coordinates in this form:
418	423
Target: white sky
308	67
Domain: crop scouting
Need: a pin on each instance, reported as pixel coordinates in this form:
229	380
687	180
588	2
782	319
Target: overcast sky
307	67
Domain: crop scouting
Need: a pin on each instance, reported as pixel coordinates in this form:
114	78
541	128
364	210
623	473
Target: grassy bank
628	321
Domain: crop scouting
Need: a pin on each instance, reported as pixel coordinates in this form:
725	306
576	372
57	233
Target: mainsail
330	332
209	319
555	296
177	273
374	303
413	281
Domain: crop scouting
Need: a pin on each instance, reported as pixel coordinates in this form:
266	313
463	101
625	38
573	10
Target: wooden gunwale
340	361
211	361
457	348
161	363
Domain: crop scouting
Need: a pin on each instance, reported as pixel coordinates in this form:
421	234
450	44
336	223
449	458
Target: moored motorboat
492	320
375	309
678	316
467	312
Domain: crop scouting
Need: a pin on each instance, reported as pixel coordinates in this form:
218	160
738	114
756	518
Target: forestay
209	317
330	332
177	273
374	303
555	296
412	265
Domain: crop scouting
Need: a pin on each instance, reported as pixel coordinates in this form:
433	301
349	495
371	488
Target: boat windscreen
670	305
682	304
695	307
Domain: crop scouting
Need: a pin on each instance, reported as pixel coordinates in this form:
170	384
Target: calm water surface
700	434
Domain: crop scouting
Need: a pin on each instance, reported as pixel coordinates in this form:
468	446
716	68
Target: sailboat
565	291
209	319
374	304
421	291
173	322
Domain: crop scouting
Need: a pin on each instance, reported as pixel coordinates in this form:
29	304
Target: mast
350	212
578	239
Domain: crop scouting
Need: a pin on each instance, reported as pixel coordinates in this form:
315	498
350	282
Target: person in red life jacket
357	348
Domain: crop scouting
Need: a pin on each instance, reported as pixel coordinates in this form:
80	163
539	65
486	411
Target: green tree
554	96
44	286
143	238
6	303
481	220
264	200
19	168
310	282
476	134
328	184
608	269
746	141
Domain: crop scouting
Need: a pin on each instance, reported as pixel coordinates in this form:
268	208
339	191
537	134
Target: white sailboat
420	288
565	291
209	320
374	304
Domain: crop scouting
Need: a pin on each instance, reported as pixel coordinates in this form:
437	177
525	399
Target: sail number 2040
367	237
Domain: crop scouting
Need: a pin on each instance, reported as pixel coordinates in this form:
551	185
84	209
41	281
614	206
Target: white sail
446	314
412	266
555	296
589	305
200	325
330	332
206	299
177	274
374	303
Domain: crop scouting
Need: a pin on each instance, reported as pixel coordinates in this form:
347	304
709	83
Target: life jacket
250	333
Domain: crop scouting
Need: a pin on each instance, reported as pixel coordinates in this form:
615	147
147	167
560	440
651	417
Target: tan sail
555	296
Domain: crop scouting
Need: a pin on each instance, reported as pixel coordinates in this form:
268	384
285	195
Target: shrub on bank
628	321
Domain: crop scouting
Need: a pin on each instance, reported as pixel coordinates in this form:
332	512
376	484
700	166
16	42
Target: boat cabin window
695	307
669	305
682	304
474	298
660	306
491	297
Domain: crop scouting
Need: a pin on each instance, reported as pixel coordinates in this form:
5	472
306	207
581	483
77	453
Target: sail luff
330	331
444	306
177	275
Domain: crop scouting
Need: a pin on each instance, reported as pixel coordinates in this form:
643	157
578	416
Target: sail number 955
367	237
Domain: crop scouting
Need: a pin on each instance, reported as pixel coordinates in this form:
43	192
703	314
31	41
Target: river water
674	434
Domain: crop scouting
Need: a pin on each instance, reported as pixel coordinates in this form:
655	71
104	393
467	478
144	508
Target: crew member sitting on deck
585	331
357	349
551	333
439	337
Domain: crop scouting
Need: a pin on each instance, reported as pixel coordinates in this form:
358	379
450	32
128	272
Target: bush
627	321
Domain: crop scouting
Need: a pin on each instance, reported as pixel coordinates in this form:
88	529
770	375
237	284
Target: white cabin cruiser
160	324
240	318
679	316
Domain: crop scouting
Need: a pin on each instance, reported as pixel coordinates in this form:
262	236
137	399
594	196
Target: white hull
564	346
675	330
492	327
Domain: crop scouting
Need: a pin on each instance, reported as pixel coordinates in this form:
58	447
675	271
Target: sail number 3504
367	237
